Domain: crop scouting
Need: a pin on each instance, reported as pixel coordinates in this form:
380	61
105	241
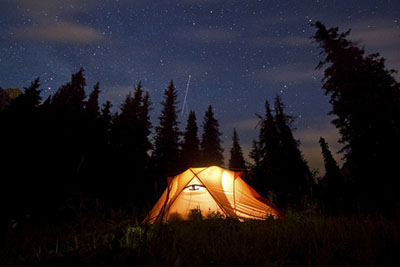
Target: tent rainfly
211	190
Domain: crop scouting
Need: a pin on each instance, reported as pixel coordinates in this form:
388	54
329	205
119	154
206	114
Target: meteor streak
186	94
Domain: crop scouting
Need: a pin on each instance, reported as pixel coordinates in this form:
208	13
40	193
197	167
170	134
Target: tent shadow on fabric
210	190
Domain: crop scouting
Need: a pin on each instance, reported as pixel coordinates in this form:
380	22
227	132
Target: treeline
69	154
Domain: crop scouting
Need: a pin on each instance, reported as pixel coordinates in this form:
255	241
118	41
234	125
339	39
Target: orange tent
210	190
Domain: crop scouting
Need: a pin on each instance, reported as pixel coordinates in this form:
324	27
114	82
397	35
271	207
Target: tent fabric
212	190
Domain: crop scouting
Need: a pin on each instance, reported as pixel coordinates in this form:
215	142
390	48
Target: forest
78	179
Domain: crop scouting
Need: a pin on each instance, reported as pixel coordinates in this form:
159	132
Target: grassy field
120	240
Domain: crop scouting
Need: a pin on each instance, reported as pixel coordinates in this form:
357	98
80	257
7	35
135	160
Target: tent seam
221	207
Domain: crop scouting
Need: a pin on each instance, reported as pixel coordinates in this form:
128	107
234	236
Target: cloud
207	35
310	146
244	125
70	33
378	35
272	41
382	39
374	33
290	73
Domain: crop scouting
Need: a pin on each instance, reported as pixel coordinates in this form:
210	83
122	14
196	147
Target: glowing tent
210	190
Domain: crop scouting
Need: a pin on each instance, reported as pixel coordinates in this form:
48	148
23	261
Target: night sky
238	53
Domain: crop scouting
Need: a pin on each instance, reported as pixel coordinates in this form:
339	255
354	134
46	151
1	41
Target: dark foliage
190	154
365	99
4	99
65	151
281	172
236	162
210	141
130	144
333	187
116	240
165	157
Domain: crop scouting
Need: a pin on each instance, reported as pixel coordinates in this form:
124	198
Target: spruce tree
25	105
165	156
280	172
67	138
211	142
21	149
105	121
92	105
130	133
190	154
4	99
299	181
236	162
365	99
256	172
70	97
69	123
92	136
270	151
28	100
335	186
144	119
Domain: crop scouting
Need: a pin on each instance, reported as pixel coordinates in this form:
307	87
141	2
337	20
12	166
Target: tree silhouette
269	180
165	156
210	142
70	96
300	183
130	134
365	99
334	190
20	151
105	119
92	105
190	154
256	171
28	100
236	162
281	172
4	99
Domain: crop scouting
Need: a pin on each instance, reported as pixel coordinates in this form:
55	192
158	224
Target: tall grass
296	240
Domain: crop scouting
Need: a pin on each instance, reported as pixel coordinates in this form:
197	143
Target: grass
296	240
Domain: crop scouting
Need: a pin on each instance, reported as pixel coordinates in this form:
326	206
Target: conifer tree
165	156
130	133
89	163
132	126
270	151
70	96
21	149
282	173
105	121
211	142
335	186
365	99
255	173
300	183
92	105
190	154
28	100
236	162
67	136
4	99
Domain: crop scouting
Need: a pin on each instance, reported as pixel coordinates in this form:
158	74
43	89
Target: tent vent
194	187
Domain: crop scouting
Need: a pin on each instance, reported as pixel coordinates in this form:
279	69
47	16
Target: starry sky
238	54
